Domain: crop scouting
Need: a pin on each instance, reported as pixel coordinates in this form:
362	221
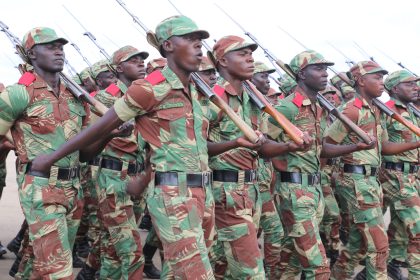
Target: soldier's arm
393	148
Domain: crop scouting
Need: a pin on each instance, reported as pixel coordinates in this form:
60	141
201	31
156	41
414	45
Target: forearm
330	150
272	149
390	148
94	149
221	147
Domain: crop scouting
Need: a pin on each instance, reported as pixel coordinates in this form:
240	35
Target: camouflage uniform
155	64
172	122
287	85
238	203
52	203
359	188
301	200
398	178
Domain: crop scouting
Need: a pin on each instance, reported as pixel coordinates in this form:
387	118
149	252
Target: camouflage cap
77	80
397	77
41	35
305	58
125	53
177	26
363	68
206	64
328	89
260	67
345	88
287	83
337	81
85	74
153	64
230	43
100	67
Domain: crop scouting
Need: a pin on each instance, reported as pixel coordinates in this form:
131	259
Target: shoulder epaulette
26	79
93	93
358	103
298	99
218	90
390	104
112	89
155	77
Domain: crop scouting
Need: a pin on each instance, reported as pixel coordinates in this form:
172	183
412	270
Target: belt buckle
315	178
205	178
72	173
253	175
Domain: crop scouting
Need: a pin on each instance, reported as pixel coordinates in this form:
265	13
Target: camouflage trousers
2	176
400	193
120	245
183	218
330	225
270	224
301	209
363	197
53	209
238	210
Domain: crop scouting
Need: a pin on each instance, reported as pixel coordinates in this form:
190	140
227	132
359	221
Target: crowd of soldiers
164	150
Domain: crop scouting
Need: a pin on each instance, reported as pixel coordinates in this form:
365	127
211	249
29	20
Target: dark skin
89	85
183	54
330	97
348	95
130	70
209	76
261	81
104	79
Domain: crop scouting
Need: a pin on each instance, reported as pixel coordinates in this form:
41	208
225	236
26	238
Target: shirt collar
172	78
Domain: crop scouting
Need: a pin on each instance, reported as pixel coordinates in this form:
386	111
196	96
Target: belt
296	177
193	179
63	173
115	164
359	169
399	166
331	161
232	176
95	161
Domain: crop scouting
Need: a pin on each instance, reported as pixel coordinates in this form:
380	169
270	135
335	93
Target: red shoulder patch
218	90
281	96
26	79
298	99
358	103
155	77
93	93
390	104
112	89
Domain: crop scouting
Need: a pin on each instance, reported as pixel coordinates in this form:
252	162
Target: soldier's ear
301	74
223	62
119	69
31	53
168	46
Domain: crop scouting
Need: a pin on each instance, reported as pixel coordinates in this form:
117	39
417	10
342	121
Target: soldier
42	114
398	178
269	222
207	71
165	105
88	82
357	182
297	172
288	85
155	64
5	147
102	74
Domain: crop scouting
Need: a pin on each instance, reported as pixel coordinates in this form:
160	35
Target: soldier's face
315	76
104	79
209	76
407	92
185	51
133	68
49	57
240	63
89	84
261	81
373	84
348	95
331	98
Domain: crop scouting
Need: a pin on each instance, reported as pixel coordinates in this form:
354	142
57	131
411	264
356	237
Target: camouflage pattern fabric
183	217
125	53
228	44
361	193
261	67
40	35
306	58
301	205
155	64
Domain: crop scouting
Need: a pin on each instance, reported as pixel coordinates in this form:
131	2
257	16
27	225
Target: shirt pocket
171	120
40	116
74	121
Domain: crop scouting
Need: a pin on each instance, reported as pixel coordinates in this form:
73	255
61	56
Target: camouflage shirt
222	128
39	121
124	148
366	117
170	119
399	133
308	117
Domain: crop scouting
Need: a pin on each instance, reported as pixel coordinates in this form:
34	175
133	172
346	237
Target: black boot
77	262
361	275
86	273
146	222
83	248
15	266
2	250
14	245
394	270
149	268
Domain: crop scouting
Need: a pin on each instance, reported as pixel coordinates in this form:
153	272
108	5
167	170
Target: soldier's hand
363	146
42	163
244	142
306	145
124	130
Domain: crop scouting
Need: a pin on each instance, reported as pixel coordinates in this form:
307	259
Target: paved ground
11	218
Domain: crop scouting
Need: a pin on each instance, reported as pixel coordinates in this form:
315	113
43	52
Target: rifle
349	62
413	108
201	85
398	63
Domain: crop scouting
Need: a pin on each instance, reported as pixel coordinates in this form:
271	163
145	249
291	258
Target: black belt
95	161
359	169
296	177
331	161
114	164
63	173
232	176
399	166
193	180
